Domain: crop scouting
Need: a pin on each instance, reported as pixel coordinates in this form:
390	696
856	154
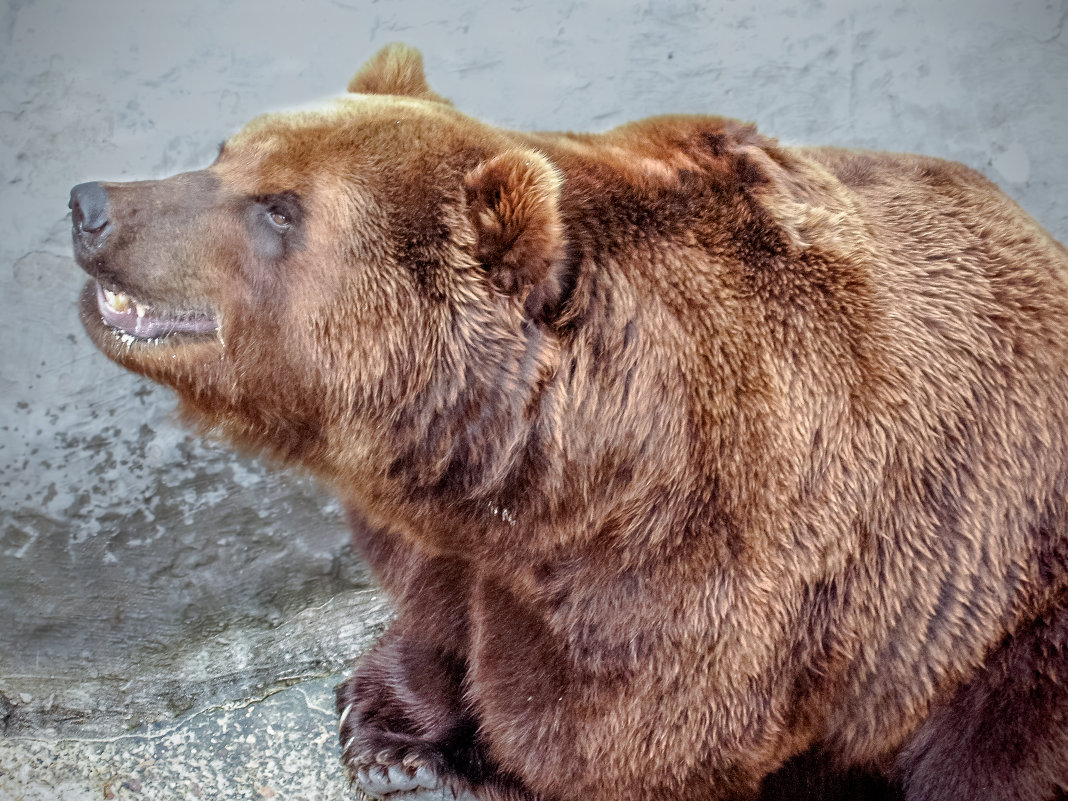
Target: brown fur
687	457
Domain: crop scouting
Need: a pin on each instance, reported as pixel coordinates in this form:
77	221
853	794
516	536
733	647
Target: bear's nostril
89	206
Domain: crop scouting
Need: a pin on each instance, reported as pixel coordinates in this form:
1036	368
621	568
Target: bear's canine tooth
122	303
140	309
119	301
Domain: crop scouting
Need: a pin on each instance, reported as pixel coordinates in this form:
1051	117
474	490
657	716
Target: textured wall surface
148	579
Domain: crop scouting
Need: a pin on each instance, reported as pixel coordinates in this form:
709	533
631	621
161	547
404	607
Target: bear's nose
89	207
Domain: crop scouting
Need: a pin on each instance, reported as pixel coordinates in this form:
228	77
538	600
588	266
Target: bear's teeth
119	301
116	300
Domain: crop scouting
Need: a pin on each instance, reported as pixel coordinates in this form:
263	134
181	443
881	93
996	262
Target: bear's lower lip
141	321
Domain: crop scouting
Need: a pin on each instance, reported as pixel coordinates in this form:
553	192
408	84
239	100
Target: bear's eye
275	223
278	220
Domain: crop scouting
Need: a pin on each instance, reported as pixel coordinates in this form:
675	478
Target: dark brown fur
687	457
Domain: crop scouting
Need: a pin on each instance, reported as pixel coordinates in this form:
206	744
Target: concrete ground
278	745
173	616
249	729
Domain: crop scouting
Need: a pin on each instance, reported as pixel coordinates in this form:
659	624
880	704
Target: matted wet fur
697	466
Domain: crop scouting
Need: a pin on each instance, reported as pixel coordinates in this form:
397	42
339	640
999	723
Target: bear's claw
344	715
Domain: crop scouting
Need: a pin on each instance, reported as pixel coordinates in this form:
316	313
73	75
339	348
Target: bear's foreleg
407	731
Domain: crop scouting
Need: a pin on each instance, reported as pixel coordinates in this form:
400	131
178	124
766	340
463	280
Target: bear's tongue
143	322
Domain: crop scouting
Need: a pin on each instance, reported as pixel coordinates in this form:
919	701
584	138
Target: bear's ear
396	69
513	202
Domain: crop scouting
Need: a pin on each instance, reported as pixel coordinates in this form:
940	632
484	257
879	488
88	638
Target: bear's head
348	287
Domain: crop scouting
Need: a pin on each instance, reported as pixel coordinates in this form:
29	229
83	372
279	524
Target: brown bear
699	467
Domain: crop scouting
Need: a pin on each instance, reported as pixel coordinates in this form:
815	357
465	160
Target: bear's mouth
142	321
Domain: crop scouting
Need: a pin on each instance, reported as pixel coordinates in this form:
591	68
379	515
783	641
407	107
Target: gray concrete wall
148	578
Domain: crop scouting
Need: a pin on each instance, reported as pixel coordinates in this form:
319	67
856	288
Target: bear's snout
133	239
